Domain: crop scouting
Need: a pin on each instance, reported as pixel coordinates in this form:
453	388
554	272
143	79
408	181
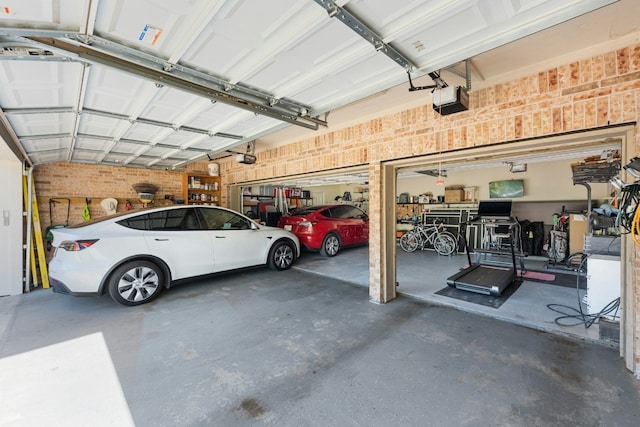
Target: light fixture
514	168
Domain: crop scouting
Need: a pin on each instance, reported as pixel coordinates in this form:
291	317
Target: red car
328	228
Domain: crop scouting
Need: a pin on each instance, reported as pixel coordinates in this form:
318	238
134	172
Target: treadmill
483	277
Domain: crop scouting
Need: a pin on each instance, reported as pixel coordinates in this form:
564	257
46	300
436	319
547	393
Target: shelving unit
200	189
251	203
361	199
404	210
453	220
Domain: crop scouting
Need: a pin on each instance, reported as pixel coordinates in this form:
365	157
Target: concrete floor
422	273
298	349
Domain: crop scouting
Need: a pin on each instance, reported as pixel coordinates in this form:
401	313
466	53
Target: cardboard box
453	196
578	226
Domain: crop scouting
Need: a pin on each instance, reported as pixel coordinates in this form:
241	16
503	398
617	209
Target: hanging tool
86	214
48	234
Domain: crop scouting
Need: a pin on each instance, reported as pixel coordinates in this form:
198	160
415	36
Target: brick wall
77	181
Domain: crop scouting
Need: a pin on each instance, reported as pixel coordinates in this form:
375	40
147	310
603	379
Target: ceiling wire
440	180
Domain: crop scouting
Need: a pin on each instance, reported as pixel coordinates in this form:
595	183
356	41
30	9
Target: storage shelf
200	190
194	185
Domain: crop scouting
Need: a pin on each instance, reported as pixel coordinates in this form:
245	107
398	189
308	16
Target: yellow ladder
36	231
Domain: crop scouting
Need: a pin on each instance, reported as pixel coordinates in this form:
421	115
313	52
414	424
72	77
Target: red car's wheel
330	245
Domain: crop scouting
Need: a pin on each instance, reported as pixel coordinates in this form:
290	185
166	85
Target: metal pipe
27	266
588	187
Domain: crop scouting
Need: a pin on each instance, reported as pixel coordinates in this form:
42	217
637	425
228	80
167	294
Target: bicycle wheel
456	240
444	244
409	242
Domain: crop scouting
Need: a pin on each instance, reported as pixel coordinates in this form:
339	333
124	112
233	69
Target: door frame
549	145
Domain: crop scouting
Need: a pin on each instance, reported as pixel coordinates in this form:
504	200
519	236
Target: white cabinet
603	283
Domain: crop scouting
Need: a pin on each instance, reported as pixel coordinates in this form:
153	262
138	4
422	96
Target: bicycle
425	236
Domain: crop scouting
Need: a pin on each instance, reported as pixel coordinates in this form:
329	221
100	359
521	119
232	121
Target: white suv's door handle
161	240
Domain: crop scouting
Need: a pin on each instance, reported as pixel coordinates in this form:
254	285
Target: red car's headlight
76	245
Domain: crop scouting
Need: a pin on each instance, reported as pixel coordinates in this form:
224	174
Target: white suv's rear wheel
136	282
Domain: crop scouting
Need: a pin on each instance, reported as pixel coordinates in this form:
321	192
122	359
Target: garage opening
340	252
568	250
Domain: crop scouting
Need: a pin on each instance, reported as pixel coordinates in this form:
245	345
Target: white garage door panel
41	124
38	84
98	125
27	10
113	90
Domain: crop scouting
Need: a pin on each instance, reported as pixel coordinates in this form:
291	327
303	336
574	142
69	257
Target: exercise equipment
483	276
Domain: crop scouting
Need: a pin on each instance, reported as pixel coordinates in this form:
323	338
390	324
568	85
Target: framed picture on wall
507	189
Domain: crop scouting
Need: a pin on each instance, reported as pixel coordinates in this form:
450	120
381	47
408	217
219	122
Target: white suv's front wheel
281	256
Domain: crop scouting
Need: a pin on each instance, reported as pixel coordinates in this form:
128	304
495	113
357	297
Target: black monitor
494	209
